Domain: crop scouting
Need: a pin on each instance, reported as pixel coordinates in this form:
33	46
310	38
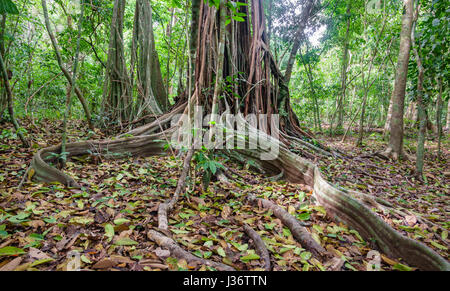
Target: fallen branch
165	208
179	253
298	231
260	246
341	205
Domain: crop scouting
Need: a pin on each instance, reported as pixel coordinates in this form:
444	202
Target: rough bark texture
395	147
260	246
117	94
150	86
299	232
298	37
263	91
178	252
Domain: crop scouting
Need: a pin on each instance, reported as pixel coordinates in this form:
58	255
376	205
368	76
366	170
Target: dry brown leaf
104	264
38	254
411	220
388	261
11	266
226	211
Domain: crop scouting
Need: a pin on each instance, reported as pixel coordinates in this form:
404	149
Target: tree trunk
220	60
439	116
316	109
3	97
447	124
303	20
395	146
341	99
9	95
193	42
117	94
152	98
387	123
169	47
423	118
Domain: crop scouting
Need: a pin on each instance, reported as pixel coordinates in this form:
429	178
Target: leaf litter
107	222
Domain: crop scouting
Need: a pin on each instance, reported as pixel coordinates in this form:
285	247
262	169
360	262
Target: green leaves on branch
7	6
234	8
235	14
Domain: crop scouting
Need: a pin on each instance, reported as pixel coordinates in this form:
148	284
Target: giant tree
249	83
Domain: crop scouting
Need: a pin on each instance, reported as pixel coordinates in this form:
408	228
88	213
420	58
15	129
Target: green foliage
7	6
235	7
208	162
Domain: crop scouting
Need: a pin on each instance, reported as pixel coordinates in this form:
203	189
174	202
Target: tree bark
439	116
395	146
11	103
420	102
193	42
150	86
447	123
303	20
341	99
422	117
3	97
117	94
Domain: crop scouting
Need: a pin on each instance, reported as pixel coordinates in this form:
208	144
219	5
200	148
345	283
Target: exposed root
260	246
177	252
391	154
277	177
342	205
345	206
165	208
114	149
157	124
299	232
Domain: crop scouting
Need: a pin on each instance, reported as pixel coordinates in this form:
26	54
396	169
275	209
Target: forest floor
107	222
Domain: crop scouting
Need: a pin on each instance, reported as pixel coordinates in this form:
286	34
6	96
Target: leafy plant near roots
207	161
123	197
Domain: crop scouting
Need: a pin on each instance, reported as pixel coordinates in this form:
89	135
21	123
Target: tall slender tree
395	146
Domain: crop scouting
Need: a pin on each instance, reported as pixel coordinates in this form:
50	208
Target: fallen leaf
411	220
11	266
104	264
